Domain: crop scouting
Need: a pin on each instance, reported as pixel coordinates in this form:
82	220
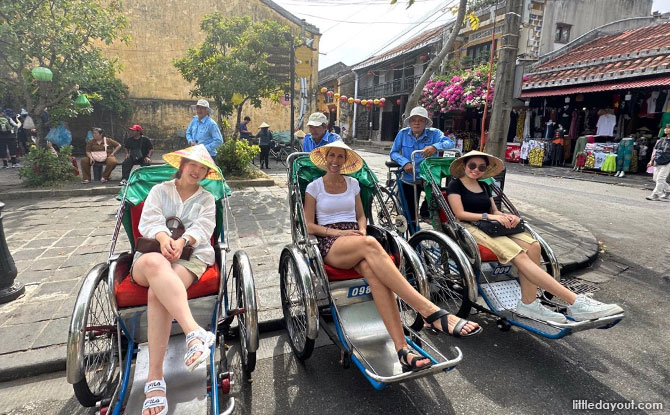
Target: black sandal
444	322
403	357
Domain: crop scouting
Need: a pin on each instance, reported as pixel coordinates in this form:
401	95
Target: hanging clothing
520	122
660	101
599	159
536	156
511	130
572	132
633	163
624	155
525	149
549	130
665	120
580	160
651	102
606	124
610	163
590	160
580	144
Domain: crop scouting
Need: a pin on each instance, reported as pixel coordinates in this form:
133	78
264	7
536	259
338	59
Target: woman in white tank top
334	214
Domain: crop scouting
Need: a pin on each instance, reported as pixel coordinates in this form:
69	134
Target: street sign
303	53
303	70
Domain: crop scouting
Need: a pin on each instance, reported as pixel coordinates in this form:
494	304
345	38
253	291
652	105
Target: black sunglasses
482	167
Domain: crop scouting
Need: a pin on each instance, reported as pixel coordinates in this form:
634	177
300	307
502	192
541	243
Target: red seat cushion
486	254
129	294
337	274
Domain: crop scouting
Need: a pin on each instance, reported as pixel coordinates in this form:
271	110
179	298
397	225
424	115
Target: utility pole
289	37
504	85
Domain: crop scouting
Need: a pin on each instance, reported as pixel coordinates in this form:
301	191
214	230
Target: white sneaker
586	308
539	312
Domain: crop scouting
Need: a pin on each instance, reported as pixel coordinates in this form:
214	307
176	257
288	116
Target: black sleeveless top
472	202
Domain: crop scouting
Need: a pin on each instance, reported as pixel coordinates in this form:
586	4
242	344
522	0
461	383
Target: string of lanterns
364	102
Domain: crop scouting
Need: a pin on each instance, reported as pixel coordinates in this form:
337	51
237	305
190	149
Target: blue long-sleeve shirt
205	131
405	143
308	143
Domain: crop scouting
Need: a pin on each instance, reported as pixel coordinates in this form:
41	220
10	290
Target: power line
367	22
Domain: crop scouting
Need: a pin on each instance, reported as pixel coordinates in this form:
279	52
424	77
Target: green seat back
305	172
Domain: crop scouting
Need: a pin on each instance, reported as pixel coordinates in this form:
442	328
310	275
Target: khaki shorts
503	246
193	265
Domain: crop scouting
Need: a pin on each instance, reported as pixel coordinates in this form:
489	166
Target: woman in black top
471	200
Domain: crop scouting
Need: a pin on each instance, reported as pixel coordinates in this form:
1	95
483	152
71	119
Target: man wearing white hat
203	130
318	133
416	136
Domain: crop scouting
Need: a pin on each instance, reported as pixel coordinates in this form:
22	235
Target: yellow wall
163	31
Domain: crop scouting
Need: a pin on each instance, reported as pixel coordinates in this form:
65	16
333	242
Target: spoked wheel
247	322
295	307
445	273
390	201
98	359
408	315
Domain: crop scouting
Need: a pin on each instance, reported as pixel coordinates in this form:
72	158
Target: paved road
513	372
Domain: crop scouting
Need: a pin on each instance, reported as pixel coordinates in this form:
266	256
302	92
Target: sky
353	30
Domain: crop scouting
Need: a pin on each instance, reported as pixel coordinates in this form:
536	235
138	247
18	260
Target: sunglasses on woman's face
482	167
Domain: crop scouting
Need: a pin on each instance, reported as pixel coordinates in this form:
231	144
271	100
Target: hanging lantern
323	90
333	109
398	101
357	101
82	101
336	96
236	99
364	102
343	98
350	100
369	104
330	94
376	101
42	74
382	101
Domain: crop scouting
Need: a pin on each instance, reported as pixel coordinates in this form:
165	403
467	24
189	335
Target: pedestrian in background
244	129
138	149
9	126
265	142
318	132
300	135
101	150
661	162
203	130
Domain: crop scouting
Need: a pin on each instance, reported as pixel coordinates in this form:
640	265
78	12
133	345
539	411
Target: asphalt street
502	372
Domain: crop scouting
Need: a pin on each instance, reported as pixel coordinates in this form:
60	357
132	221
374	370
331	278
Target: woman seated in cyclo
165	274
417	136
334	214
471	201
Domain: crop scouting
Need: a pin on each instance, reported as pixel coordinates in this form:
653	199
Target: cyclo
315	295
460	271
108	329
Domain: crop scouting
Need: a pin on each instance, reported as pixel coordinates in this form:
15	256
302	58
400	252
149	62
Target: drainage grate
578	286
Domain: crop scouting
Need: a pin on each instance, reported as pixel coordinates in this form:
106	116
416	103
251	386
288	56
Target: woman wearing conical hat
265	143
167	275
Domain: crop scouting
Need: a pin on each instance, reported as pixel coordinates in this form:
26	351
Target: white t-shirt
606	124
334	208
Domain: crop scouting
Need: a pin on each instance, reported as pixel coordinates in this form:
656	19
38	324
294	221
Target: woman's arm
116	148
360	216
310	214
203	226
461	214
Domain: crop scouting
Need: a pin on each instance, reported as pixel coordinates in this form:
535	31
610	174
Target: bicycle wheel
445	273
247	321
392	204
294	305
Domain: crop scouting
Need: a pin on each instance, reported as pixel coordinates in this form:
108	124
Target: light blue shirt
405	143
308	143
204	131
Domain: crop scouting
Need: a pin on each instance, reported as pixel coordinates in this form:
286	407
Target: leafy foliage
233	60
60	35
41	167
457	90
234	156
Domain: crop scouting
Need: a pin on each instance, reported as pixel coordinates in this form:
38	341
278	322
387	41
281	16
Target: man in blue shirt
418	136
203	130
318	133
244	130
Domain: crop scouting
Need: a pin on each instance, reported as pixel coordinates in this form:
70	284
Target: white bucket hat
203	103
317	119
421	112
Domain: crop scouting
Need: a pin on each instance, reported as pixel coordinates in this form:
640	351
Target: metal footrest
502	295
186	391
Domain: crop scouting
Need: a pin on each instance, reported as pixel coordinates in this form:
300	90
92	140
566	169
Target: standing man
203	130
8	128
661	159
138	149
318	133
417	136
244	129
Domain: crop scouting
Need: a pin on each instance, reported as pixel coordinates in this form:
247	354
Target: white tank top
334	208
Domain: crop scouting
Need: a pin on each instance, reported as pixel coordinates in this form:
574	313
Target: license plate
359	291
502	269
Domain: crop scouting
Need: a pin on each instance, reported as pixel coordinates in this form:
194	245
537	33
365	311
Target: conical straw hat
196	153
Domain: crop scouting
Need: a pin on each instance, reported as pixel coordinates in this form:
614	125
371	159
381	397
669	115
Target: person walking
203	130
661	162
265	142
8	129
138	149
318	133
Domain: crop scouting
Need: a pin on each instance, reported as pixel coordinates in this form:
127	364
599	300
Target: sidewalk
55	241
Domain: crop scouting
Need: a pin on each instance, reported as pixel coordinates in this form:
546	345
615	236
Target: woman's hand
170	248
349	232
504	220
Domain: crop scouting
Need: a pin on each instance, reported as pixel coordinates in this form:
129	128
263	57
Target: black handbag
177	228
495	228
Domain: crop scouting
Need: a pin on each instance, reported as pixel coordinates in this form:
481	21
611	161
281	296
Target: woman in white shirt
167	275
334	202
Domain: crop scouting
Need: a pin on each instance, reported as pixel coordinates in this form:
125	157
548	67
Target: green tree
231	65
60	35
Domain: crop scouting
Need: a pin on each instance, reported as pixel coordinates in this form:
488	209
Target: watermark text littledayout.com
585	404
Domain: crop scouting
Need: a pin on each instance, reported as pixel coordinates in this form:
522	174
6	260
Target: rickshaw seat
486	254
337	274
129	294
390	163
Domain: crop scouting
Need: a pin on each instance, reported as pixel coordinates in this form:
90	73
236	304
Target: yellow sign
303	53
303	70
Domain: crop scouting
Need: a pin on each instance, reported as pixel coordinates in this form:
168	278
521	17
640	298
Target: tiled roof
609	86
634	53
423	39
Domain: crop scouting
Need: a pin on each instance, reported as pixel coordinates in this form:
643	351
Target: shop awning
609	86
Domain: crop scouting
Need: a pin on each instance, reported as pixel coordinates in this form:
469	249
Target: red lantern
343	98
398	101
329	93
369	105
333	109
357	101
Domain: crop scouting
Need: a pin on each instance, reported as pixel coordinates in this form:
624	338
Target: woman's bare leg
348	251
